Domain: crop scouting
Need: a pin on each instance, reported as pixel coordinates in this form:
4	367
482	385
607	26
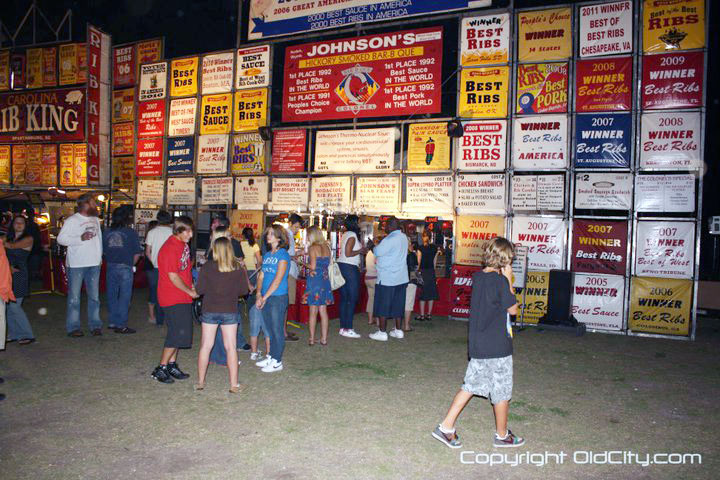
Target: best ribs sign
47	116
386	74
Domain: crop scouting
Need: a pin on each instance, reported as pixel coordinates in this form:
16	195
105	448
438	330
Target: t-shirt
81	253
356	247
427	262
174	256
221	289
391	259
121	245
249	252
370	270
155	239
270	268
488	335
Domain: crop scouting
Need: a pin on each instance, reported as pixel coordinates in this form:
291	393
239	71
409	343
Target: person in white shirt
351	251
154	240
82	236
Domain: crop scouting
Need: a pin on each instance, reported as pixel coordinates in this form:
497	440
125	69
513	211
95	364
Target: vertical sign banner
212	154
123	106
545	35
670	140
672	80
603	191
251	192
181	154
49	67
250	110
288	151
428	194
428	147
151	118
538	192
603	141
665	249
49	165
536	296
485	40
542	88
378	194
253	67
241	219
369	150
545	239
182	116
480	193
665	193
181	191
248	154
98	116
217	190
217	73
150	192
473	232
123	172
17	70
290	193
597	301
82	60
153	81
149	51
606	29
68	68
4	70
482	146
123	139
331	192
150	157
33	168
19	164
673	25
660	305
67	169
461	290
484	92
124	66
183	77
599	246
216	114
603	85
5	164
34	67
540	142
80	164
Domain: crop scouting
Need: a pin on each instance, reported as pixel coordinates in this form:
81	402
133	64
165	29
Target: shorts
292	289
490	377
257	323
389	301
410	297
178	319
370	284
220	318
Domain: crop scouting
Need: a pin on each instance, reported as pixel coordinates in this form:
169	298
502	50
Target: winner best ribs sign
599	246
53	115
665	249
380	75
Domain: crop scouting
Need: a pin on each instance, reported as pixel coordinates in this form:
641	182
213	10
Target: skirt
429	287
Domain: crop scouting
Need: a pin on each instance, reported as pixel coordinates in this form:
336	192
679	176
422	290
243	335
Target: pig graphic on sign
74	97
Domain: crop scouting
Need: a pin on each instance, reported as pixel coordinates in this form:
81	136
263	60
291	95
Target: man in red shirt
175	296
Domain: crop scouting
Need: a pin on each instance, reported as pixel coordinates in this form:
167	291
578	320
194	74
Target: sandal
26	341
324	344
238	388
311	343
408	329
420	318
199	386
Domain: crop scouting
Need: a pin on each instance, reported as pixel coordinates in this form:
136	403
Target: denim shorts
257	322
220	318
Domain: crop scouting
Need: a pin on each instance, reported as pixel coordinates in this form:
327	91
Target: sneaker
397	333
239	362
510	440
161	374
256	356
175	371
272	366
379	336
342	331
264	362
124	330
450	439
349	333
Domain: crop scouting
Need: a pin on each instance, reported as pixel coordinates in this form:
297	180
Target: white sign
289	193
143	215
217	73
153	81
545	239
251	193
538	192
665	249
378	194
253	67
150	192
482	146
480	193
606	29
370	150
485	40
428	195
598	301
540	142
330	192
212	154
217	190
665	193
182	117
519	266
670	140
603	191
181	191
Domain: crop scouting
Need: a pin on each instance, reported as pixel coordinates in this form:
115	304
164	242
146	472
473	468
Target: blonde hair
315	236
224	255
498	252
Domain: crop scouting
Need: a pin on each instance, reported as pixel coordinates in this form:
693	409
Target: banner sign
473	232
150	192
217	190
149	51
480	193
428	147
182	116
542	88
123	109
290	193
288	151
98	114
536	297
19	163
251	192
604	85
123	138
67	165
124	66
153	80
429	194
151	118
606	29
672	80
217	73
253	67
248	154
183	77
545	239
181	154
603	191
665	249
598	301
49	67
250	110
34	67
216	114
540	142
665	193
603	140
485	40
377	194
379	75
49	165
369	150
538	192
33	165
241	219
599	246
150	157
670	140
330	193
181	191
660	305
673	25
5	164
484	92
42	116
68	64
4	70
123	169
80	164
461	290
212	154
482	146
545	35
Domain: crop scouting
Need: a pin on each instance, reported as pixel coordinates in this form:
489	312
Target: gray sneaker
450	439
510	440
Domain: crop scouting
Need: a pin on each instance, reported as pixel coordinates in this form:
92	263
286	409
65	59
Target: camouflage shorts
490	377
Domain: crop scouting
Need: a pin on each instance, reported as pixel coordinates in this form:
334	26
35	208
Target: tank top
349	260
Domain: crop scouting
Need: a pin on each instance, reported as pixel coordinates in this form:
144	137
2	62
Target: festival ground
87	408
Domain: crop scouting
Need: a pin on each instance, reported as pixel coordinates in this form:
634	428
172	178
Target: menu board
150	192
181	191
606	29
604	85
331	193
542	88
153	81
665	249
181	155
672	80
480	193
428	147
212	154
217	190
251	192
603	191
598	301
603	141
484	92
670	140
289	193
378	194
288	151
182	117
540	142
599	246
482	146
545	239
485	40
217	73
368	150
429	194
544	35
248	154
665	193
538	192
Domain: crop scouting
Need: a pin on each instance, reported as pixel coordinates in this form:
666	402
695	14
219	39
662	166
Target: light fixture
101	197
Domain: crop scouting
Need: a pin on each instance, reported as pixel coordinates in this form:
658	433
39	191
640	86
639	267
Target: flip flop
26	341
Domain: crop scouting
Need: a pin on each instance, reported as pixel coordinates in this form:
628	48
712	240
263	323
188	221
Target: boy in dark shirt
490	370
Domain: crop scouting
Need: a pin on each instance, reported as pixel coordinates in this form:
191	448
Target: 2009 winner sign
51	115
380	75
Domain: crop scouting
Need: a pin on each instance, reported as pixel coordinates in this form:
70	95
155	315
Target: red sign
380	75
124	66
288	151
52	115
150	157
151	120
461	290
604	85
98	46
672	80
599	246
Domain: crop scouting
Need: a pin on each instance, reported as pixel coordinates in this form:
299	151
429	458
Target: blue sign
181	153
603	141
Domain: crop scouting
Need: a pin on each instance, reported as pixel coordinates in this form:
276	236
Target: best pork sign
52	115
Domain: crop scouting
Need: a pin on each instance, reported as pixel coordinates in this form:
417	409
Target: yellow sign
4	164
68	64
49	165
184	77
250	110
545	35
672	25
428	147
34	59
81	50
33	169
67	170
660	305
123	106
248	154
4	70
49	67
536	296
216	114
473	231
484	92
19	164
123	172
240	219
80	164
